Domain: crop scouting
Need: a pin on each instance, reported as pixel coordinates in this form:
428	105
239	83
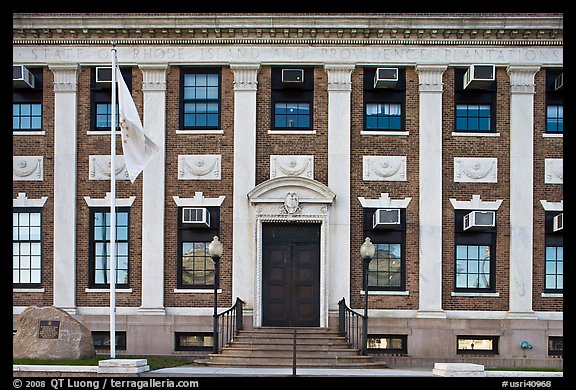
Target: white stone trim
196	291
388	293
476	134
475	294
475	204
384	132
99	202
551	135
23	201
107	290
552	295
28	290
200	132
198	200
293	132
384	202
39	132
552	206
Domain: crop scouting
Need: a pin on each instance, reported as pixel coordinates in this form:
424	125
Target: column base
157	311
522	315
431	314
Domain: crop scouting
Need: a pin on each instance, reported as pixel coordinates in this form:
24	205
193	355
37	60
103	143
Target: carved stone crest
291	203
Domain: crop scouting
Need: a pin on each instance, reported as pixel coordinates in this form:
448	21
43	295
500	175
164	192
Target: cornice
325	29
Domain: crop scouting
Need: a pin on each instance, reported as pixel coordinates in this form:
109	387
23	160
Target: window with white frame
27	247
100	229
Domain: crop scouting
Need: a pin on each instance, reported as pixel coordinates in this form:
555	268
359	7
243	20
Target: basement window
101	340
193	341
486	345
388	343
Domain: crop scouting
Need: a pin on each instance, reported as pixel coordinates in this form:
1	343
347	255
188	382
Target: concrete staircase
273	347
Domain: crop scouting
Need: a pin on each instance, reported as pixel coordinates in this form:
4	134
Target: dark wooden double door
291	274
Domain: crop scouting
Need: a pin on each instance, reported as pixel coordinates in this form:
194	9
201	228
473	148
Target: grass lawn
155	362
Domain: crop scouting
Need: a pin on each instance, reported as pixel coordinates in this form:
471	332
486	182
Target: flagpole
112	278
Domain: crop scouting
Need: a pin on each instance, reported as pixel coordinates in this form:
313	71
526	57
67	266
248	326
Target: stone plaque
48	329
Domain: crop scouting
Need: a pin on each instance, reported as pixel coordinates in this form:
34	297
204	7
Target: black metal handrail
351	325
229	322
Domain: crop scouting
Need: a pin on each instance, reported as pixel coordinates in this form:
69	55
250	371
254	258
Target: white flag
138	148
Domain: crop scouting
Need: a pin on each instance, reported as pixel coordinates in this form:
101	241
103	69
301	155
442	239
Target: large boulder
51	333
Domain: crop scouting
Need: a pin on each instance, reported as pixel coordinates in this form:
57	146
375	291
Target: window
200	102
100	247
396	344
27	103
196	268
101	340
555	346
477	345
384	107
554	255
475	109
101	100
554	102
292	104
27	247
383	116
292	115
188	341
387	269
473	266
474	258
473	117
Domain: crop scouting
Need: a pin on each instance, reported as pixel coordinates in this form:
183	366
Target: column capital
522	78
65	77
154	77
430	77
339	76
245	76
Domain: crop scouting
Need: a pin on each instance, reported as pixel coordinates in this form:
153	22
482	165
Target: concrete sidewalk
195	371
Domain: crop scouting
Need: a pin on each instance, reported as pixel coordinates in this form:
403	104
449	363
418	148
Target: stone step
290	341
287	360
273	354
299	364
288	346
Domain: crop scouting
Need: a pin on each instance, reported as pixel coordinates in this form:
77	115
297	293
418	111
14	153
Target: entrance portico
292	200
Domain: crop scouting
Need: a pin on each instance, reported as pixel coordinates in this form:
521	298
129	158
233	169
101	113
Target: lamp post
367	251
215	251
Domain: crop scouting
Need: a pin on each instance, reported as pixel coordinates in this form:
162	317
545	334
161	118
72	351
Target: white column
430	199
65	119
521	189
338	259
154	121
243	257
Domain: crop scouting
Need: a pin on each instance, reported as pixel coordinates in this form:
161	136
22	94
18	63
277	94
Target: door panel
291	275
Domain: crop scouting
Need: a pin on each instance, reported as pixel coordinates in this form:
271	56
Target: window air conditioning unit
386	218
559	82
385	77
292	77
558	222
479	220
104	76
196	215
22	77
479	76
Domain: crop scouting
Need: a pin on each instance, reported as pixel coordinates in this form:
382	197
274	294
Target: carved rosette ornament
476	170
99	168
199	167
27	168
301	166
553	171
384	168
